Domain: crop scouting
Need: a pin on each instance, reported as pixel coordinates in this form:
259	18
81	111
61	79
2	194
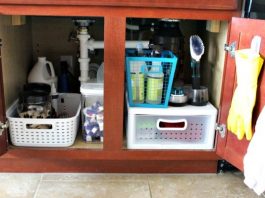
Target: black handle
195	65
196	83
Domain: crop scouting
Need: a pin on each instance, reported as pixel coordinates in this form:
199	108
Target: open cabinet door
241	31
3	132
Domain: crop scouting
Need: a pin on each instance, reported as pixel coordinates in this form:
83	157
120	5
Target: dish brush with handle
196	51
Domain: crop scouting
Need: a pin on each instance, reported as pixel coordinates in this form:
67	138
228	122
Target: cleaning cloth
254	160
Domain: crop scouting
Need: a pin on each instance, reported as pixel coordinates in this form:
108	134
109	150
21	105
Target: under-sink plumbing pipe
133	44
84	60
86	43
132	27
92	44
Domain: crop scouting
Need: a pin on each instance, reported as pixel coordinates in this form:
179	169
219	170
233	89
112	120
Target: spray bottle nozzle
53	89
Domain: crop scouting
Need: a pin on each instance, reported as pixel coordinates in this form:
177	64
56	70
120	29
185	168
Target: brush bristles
196	47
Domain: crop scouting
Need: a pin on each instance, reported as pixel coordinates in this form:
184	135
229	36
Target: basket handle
166	125
42	124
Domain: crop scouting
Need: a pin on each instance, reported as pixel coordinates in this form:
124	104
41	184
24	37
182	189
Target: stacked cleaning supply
92	103
254	160
93	123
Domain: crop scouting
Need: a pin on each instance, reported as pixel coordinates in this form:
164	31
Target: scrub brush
196	52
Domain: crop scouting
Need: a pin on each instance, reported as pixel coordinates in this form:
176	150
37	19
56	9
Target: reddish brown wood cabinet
241	31
114	157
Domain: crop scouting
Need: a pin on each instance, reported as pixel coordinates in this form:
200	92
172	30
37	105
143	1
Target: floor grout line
150	192
38	187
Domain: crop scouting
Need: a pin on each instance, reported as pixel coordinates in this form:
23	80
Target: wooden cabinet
242	31
114	157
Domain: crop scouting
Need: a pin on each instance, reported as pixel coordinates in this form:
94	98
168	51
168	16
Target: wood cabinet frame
114	157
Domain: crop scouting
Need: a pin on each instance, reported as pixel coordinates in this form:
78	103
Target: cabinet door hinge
221	128
3	126
231	48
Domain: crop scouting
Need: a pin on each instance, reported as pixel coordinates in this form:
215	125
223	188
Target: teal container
157	82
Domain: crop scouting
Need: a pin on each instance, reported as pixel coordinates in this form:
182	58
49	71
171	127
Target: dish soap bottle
137	77
155	78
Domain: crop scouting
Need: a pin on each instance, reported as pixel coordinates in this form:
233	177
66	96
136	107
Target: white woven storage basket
61	133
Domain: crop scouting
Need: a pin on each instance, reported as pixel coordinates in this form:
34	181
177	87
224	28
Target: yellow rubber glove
248	66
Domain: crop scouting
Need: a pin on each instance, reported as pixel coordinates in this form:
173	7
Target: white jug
41	74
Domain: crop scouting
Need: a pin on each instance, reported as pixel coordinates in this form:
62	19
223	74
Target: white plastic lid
92	88
156	72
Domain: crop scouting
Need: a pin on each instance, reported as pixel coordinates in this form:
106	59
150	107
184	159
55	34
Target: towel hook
231	48
255	44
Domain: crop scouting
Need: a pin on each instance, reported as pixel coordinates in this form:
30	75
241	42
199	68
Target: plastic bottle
63	80
137	80
54	99
100	73
139	49
42	72
67	82
137	77
155	78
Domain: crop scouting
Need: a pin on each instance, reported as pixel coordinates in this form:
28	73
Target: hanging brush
196	52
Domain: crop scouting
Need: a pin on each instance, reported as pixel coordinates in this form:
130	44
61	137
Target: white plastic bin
55	132
188	127
92	111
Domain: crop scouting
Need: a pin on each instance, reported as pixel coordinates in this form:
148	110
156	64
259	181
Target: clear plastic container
92	112
34	101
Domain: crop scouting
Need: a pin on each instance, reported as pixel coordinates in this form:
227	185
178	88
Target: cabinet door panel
242	31
3	136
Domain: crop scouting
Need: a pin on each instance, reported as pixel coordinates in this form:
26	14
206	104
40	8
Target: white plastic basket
188	127
61	133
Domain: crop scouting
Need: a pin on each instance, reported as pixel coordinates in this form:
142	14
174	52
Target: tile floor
57	185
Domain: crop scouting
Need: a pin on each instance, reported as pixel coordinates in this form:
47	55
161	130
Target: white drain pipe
90	44
84	60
